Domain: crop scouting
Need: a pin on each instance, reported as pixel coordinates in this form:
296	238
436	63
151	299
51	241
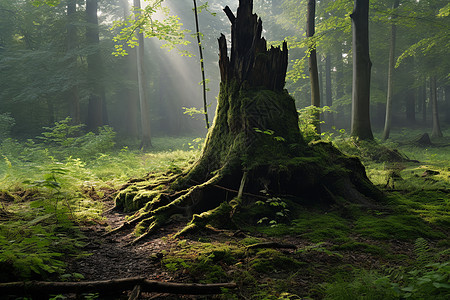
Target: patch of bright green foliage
35	238
402	227
271	260
53	184
426	278
315	226
201	260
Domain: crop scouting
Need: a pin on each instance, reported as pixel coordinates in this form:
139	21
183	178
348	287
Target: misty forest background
84	108
45	55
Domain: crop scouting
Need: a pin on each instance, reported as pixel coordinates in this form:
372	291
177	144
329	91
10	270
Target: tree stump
423	140
254	145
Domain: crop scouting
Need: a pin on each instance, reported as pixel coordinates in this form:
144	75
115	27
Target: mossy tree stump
254	144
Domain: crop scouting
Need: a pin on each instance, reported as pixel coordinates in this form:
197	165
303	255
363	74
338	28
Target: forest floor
398	251
265	273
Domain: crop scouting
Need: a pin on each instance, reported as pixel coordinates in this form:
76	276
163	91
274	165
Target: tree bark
434	104
96	110
410	105
424	101
72	40
387	124
312	61
339	82
447	103
142	79
202	65
328	91
362	65
128	94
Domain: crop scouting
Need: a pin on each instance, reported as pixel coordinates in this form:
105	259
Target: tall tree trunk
313	71
361	72
434	104
410	103
447	103
339	81
424	101
321	72
339	84
128	94
328	92
72	40
387	124
202	65
96	110
145	117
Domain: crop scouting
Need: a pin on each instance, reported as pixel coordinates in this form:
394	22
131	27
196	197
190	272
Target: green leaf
408	289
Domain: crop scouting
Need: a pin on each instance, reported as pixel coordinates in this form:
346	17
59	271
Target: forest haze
45	71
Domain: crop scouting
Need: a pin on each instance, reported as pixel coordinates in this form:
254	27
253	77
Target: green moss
143	226
202	268
358	246
215	217
404	227
250	241
204	272
431	206
222	255
135	197
204	262
270	260
314	226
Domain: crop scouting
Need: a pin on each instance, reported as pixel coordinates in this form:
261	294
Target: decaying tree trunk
253	145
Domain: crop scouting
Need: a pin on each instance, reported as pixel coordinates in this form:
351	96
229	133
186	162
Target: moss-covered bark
256	133
253	145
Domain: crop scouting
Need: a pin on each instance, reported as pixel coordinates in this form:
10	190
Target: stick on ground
108	286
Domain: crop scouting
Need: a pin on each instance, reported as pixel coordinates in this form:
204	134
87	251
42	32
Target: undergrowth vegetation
58	181
66	178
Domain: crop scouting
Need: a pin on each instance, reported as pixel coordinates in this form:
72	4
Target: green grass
314	226
402	227
47	192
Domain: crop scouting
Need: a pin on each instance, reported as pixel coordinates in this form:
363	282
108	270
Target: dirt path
112	257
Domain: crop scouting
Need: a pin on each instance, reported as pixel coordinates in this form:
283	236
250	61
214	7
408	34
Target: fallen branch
108	286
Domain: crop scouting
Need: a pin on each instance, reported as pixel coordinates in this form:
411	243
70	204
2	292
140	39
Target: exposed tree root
211	203
152	217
